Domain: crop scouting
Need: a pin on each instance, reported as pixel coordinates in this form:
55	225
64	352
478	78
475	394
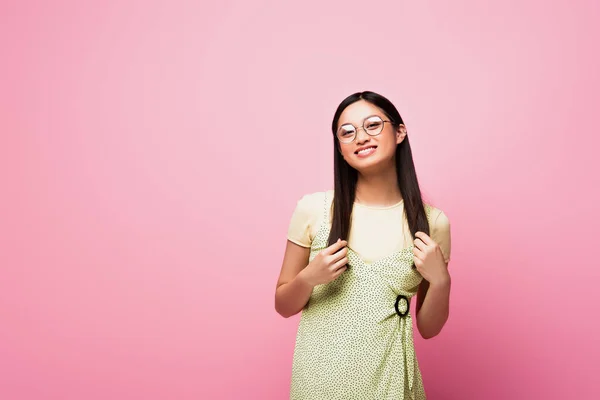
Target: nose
362	137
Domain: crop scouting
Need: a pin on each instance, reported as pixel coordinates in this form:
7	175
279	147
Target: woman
355	257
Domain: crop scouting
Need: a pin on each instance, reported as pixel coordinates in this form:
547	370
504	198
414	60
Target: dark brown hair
346	177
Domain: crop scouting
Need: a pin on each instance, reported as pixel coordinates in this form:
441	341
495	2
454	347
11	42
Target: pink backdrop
152	153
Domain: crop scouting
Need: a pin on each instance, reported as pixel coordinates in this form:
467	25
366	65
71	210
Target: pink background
152	154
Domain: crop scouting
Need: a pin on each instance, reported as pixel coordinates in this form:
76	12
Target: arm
292	291
433	304
432	255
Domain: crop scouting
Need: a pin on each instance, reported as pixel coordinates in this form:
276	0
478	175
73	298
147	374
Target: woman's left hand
429	260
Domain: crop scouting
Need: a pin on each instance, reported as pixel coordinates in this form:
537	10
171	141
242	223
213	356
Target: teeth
365	150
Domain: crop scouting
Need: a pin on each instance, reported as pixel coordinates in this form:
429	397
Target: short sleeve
440	233
304	218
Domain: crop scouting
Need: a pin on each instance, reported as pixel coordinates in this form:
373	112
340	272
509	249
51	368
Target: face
368	152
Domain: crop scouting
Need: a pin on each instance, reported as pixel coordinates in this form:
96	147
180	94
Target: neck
378	189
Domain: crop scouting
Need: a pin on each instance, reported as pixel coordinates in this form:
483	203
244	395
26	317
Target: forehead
356	112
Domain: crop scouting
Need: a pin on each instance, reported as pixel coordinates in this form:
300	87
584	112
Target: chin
368	165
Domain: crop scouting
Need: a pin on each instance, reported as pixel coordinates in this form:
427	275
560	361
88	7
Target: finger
339	254
418	253
418	263
339	272
425	238
337	246
419	244
340	264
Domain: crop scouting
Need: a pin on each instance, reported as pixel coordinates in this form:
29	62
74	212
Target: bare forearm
291	297
434	312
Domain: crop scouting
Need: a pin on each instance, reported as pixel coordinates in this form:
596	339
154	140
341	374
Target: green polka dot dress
355	338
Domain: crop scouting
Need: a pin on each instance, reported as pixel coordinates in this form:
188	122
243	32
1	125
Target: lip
367	154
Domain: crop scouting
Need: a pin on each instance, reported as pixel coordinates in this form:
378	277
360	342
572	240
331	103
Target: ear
400	133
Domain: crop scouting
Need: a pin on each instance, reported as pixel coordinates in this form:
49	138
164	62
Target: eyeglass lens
372	125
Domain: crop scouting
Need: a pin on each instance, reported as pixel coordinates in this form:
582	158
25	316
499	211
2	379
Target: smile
367	151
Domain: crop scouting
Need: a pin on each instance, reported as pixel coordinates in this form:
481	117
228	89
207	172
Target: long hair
346	177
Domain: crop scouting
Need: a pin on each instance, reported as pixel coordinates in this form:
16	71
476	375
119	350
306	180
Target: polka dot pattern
351	342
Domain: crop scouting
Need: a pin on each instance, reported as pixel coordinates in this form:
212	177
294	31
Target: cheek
346	151
389	144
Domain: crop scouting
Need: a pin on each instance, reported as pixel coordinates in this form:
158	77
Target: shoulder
312	205
438	219
306	218
315	200
439	229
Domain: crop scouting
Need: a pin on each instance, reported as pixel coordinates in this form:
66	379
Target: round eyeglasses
373	125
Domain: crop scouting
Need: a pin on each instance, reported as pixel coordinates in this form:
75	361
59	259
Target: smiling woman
355	257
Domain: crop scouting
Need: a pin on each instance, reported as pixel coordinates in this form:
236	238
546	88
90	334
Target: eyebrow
372	115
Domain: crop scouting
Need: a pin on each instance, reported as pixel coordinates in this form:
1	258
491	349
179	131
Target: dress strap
325	223
325	209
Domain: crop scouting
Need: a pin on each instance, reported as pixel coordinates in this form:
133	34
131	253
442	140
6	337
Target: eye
373	123
346	131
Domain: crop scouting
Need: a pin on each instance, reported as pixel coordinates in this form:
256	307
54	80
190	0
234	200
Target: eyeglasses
373	125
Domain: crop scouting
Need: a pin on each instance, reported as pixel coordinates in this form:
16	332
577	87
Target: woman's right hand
330	263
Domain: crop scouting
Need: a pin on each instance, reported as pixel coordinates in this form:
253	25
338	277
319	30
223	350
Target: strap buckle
402	301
